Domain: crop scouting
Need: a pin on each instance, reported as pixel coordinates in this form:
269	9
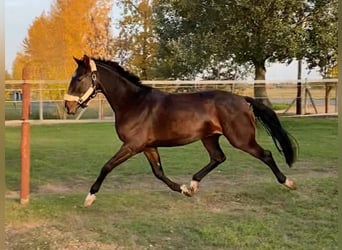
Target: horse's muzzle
70	107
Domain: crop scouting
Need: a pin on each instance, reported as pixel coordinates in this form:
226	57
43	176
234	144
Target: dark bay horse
147	118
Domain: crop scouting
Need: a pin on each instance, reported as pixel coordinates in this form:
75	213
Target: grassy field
240	205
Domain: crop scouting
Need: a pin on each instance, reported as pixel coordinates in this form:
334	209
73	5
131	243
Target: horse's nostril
66	108
70	107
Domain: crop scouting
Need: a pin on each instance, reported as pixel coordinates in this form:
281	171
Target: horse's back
200	106
185	117
197	102
205	97
222	101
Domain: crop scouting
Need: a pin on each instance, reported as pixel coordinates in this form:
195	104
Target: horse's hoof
290	184
194	186
89	199
185	190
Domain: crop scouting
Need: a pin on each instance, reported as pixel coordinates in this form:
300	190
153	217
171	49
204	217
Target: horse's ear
86	59
78	61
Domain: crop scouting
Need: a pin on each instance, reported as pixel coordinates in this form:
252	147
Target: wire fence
318	97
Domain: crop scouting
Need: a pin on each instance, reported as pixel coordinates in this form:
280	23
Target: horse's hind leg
217	156
250	146
154	159
266	156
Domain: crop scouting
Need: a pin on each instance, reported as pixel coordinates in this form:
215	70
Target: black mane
124	73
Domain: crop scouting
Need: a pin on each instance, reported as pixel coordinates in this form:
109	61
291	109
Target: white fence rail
318	96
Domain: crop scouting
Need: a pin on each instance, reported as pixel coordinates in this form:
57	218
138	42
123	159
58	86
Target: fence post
99	98
328	89
25	141
41	102
336	97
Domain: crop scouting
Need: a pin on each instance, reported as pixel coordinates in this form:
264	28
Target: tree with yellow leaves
71	28
332	72
20	61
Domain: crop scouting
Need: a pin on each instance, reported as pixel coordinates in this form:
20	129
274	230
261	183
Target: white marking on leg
89	199
290	184
185	190
194	186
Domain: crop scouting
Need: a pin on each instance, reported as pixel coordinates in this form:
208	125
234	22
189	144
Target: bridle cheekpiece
90	93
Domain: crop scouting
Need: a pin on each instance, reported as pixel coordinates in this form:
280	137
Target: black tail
269	119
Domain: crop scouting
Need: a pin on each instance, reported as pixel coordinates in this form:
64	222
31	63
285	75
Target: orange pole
25	141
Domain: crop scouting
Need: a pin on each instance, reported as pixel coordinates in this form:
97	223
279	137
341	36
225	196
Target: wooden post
25	141
99	98
328	89
336	96
41	102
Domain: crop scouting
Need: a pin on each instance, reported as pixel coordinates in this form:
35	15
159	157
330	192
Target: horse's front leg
122	155
217	156
153	157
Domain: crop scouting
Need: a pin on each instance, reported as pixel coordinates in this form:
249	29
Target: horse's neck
119	91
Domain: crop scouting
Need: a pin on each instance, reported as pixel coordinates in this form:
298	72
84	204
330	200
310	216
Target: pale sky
19	15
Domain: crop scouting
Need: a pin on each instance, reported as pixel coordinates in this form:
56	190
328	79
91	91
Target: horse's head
82	86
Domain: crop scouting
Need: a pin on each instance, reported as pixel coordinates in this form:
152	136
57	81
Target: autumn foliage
137	40
162	39
71	28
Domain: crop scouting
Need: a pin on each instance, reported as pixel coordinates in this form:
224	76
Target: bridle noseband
90	93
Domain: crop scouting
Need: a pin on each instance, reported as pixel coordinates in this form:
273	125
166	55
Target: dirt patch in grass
12	194
54	188
43	235
214	180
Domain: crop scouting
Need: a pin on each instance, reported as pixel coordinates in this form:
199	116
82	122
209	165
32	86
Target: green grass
279	106
240	205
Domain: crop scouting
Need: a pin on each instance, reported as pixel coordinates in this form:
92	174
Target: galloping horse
147	118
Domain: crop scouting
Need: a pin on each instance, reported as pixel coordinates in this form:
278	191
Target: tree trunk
299	89
260	92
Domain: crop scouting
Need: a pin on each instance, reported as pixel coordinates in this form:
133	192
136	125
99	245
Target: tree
320	46
20	61
137	41
187	45
100	38
8	76
84	27
39	48
332	72
71	28
249	32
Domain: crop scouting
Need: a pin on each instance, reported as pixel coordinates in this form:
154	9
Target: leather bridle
90	93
